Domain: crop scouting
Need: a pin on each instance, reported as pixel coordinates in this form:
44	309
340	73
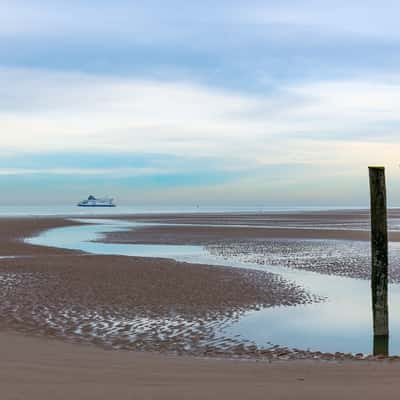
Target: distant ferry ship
93	202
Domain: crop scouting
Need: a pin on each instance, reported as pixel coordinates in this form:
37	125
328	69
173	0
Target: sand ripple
140	304
332	257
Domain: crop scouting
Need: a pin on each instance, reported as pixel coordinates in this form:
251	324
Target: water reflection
381	345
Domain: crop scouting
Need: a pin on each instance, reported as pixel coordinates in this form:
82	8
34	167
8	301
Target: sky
220	102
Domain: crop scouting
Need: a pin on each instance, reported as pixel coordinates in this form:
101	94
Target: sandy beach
146	327
199	200
37	369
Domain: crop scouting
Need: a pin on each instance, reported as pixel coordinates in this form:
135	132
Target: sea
73	210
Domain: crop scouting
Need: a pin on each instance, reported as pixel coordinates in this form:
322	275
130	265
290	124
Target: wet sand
157	304
330	243
13	230
345	225
136	303
131	303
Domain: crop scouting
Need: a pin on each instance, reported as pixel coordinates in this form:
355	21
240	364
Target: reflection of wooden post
379	244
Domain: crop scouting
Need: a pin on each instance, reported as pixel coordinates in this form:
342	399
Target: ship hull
96	205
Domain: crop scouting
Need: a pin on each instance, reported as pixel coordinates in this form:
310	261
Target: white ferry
93	202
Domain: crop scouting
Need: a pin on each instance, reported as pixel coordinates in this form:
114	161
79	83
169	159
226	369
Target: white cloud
345	122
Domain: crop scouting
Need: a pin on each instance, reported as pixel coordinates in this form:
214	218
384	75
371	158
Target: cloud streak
78	112
118	172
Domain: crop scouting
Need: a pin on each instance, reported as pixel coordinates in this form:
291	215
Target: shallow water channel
342	323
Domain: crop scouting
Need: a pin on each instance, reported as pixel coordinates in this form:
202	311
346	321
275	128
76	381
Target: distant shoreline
73	210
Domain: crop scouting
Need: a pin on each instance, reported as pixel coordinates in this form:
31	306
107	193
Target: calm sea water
68	210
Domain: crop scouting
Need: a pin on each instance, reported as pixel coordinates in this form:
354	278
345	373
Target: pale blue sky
212	102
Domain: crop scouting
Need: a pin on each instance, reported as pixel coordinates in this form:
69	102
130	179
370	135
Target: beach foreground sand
40	369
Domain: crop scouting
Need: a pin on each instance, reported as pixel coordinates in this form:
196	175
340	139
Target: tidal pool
342	323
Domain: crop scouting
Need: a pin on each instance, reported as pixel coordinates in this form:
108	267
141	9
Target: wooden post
379	273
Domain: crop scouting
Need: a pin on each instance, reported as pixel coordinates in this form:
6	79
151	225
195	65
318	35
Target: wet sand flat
129	302
330	243
203	228
346	224
135	303
151	303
